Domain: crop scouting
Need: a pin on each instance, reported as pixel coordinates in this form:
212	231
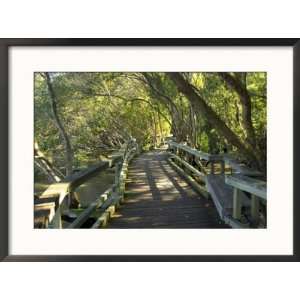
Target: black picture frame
5	44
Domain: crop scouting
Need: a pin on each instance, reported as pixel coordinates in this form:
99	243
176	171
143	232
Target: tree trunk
192	127
60	127
155	130
238	84
178	122
160	128
212	118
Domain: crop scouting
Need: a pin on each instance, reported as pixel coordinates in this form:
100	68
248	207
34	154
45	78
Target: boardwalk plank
157	197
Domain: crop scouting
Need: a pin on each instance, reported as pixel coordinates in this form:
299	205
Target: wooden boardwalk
157	197
147	192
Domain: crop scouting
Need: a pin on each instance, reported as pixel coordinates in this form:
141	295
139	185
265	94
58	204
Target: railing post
122	185
212	167
117	177
56	221
222	167
254	208
237	204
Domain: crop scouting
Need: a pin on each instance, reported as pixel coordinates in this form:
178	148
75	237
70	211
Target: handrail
238	181
200	155
111	198
91	208
248	184
187	165
257	189
193	151
69	183
235	167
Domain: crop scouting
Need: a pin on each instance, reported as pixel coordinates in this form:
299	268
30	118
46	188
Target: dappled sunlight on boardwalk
156	197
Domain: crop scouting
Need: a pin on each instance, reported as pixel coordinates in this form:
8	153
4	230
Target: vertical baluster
212	167
255	208
117	177
237	205
222	167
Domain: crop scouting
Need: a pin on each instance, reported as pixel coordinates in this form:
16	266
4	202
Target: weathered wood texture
42	213
248	184
196	153
222	195
90	209
62	190
188	166
74	180
198	186
157	197
107	203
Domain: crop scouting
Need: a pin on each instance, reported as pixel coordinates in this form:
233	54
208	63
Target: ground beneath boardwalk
157	197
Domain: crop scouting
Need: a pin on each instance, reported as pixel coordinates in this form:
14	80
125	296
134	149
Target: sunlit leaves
101	110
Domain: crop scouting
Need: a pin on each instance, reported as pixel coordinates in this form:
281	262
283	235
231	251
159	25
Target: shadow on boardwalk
157	197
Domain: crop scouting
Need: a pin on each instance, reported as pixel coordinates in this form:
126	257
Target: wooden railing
256	188
194	165
191	157
110	200
61	192
222	177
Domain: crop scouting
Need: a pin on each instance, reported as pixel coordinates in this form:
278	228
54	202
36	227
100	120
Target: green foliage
99	111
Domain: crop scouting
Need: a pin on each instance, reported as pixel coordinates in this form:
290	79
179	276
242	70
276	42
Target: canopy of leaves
100	111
